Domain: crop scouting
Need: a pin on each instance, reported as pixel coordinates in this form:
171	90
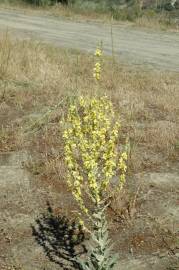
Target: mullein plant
92	157
97	67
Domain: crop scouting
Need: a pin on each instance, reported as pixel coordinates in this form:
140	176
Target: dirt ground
37	229
33	236
135	45
35	232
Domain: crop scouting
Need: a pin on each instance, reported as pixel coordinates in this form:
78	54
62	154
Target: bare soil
145	237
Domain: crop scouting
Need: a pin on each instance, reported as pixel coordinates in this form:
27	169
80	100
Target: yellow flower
97	67
81	222
65	134
82	101
96	76
76	183
90	151
98	52
122	178
124	155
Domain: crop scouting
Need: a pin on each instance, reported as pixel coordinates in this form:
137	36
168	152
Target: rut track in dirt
154	49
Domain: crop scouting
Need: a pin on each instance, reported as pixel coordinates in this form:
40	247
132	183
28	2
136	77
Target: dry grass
149	19
57	11
36	77
157	22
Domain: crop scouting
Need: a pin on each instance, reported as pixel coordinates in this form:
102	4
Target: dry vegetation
146	18
37	83
36	77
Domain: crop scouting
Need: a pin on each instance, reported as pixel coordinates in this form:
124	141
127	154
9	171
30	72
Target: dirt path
132	45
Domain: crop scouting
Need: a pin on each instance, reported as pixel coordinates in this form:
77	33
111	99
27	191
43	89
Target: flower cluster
98	52
97	67
91	149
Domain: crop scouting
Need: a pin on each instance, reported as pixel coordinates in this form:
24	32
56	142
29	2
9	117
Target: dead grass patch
36	77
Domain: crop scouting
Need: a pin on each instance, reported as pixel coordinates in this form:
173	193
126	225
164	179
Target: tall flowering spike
92	158
97	67
98	52
90	148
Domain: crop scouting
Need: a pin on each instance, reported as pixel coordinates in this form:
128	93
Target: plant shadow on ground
61	239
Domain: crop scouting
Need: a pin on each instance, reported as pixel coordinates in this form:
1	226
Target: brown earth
145	235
